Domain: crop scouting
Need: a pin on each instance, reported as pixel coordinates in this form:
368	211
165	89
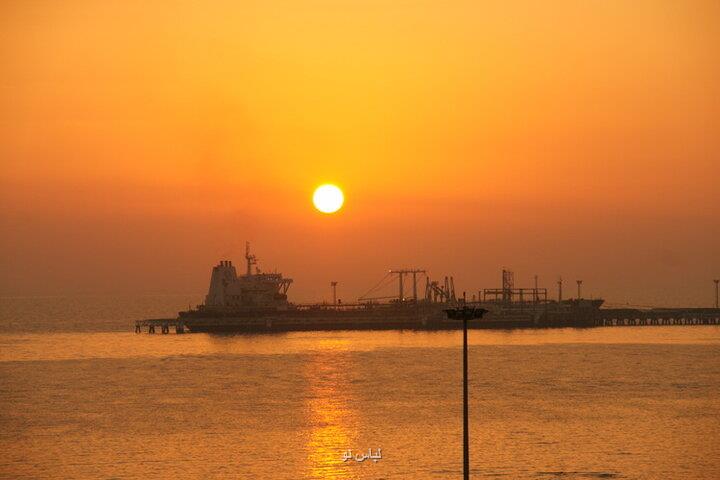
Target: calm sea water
83	397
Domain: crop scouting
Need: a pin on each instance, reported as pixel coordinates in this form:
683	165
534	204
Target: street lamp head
465	313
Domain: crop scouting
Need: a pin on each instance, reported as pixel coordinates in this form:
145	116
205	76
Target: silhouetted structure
258	302
401	274
559	289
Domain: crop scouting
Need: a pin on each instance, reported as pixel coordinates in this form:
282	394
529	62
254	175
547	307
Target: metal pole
466	437
717	305
465	313
414	273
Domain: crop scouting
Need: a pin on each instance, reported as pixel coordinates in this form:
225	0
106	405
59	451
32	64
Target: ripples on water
82	399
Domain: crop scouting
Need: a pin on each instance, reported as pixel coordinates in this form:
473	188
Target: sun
328	198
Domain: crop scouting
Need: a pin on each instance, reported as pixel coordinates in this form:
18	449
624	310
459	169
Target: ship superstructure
230	291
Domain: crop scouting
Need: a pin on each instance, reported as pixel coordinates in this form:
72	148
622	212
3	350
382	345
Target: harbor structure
258	302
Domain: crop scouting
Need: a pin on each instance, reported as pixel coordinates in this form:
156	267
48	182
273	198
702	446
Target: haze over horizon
142	142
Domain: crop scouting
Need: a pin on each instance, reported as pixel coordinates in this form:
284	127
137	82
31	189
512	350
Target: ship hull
383	317
376	319
239	327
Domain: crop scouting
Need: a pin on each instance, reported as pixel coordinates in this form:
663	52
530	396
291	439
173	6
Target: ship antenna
251	260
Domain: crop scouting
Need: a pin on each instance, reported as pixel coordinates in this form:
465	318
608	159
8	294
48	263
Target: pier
163	324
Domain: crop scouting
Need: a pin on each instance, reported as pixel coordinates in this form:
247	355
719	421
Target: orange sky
140	142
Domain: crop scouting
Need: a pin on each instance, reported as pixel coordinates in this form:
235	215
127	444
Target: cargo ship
255	301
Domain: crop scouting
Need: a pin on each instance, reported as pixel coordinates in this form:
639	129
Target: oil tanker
258	302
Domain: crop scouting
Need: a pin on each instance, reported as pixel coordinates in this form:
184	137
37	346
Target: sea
84	397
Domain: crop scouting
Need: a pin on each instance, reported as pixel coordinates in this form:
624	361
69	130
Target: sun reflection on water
329	406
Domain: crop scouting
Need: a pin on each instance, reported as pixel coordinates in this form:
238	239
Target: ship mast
251	260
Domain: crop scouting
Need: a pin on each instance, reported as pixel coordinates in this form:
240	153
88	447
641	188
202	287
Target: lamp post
465	313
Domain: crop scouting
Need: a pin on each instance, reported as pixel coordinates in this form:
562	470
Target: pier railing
625	317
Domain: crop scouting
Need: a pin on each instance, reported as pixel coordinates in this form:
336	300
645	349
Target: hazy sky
141	142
